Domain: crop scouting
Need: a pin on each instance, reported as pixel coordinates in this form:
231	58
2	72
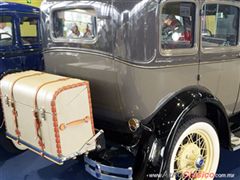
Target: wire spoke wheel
196	151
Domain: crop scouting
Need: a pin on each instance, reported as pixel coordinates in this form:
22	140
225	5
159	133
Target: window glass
75	24
219	25
177	25
6	38
29	30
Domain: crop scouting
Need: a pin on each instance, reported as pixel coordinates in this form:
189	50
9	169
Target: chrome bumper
105	172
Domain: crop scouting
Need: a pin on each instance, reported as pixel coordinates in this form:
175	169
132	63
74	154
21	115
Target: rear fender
170	114
196	101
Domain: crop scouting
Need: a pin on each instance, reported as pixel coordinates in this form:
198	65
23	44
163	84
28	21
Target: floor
29	166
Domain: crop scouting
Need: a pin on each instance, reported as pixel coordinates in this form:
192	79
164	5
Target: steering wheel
6	34
207	32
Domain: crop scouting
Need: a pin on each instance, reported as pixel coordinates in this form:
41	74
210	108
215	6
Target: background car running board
235	141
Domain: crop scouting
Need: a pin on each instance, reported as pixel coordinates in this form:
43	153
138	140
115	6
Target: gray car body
130	75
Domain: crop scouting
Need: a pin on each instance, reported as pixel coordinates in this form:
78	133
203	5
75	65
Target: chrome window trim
182	51
66	40
224	49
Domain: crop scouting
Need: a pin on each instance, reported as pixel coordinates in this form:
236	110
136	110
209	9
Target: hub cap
193	155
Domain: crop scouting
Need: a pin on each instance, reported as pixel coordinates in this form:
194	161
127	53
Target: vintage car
164	78
20	45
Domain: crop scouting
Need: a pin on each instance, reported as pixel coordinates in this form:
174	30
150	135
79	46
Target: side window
29	30
220	25
6	38
177	25
77	24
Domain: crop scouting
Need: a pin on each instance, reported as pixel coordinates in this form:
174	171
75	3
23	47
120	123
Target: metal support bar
105	172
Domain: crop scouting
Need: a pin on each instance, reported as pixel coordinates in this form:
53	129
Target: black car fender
190	101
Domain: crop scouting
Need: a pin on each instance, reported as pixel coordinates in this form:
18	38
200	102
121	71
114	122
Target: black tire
176	151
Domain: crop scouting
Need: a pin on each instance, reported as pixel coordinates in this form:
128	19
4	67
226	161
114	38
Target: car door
9	44
219	57
30	41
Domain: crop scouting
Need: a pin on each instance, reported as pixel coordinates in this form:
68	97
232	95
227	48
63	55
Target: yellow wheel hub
188	155
194	154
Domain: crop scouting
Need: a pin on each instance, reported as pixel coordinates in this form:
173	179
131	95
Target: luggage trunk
50	114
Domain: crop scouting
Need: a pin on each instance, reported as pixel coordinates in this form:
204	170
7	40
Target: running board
235	141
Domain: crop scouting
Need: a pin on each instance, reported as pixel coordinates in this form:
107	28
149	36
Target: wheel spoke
190	140
203	145
199	140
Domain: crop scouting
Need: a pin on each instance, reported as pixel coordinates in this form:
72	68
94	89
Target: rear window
76	24
29	30
6	37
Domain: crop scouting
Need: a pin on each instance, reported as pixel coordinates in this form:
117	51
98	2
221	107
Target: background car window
6	38
177	25
75	24
29	30
219	25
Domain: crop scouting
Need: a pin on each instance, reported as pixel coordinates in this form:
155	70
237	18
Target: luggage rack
58	160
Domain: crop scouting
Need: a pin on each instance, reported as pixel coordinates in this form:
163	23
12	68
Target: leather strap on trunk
36	114
13	105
